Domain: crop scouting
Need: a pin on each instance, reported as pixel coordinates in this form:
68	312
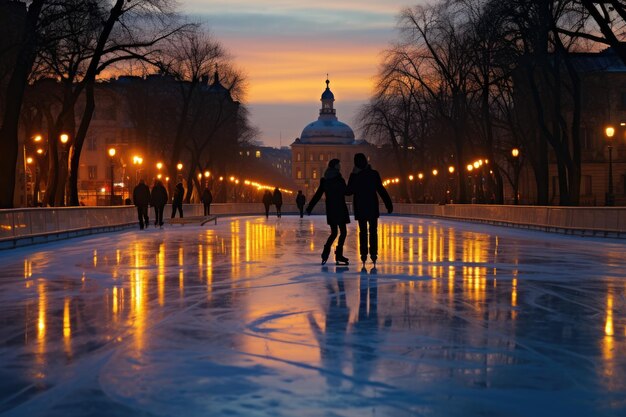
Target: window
321	156
298	157
247	153
314	174
310	156
299	174
92	172
92	143
585	185
258	154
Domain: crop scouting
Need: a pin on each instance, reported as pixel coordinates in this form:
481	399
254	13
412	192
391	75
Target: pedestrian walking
300	200
267	202
207	199
365	184
277	199
177	201
141	199
333	186
158	199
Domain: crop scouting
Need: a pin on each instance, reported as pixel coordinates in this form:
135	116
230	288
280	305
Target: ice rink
240	319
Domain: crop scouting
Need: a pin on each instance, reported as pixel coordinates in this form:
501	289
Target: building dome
327	128
327	131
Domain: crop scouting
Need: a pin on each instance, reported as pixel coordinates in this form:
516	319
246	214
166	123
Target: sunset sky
286	47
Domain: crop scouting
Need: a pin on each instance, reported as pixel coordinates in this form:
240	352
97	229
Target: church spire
328	98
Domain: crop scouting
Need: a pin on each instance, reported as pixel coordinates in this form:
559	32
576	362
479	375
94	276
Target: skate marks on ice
240	319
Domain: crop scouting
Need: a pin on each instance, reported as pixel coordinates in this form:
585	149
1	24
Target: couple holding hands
364	184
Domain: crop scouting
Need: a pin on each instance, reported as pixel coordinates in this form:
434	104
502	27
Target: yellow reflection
118	256
28	268
608	326
115	300
161	274
608	345
95	258
138	297
67	327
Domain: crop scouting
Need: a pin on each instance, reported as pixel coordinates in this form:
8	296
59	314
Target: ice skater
364	183
207	199
277	199
158	199
300	200
333	186
141	199
177	201
267	202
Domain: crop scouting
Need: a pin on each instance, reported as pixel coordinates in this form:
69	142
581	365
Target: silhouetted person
365	184
277	199
300	200
158	200
333	186
141	199
267	202
207	199
177	201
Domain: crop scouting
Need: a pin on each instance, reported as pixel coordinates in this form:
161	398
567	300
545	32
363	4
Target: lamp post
111	155
609	199
515	152
449	193
179	168
137	161
64	138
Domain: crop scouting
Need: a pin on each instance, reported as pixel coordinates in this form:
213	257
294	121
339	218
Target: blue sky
286	47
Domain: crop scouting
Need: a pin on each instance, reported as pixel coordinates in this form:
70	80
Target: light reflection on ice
240	319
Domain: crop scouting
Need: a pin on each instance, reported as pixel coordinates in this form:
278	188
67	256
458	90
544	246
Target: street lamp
64	138
609	198
112	152
137	161
159	165
515	152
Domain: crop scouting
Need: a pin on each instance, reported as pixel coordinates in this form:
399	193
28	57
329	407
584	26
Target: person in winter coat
141	199
333	186
158	200
267	202
177	201
365	184
300	200
207	199
277	199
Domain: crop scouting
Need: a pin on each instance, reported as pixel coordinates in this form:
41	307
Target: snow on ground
240	319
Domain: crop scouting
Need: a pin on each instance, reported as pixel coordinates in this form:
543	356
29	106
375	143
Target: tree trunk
13	105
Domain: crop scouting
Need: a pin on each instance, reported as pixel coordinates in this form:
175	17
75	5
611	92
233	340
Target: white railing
32	222
26	224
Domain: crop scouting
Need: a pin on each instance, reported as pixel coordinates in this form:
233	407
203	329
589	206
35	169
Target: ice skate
325	254
339	258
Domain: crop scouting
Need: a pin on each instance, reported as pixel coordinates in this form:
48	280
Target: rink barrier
19	227
580	221
27	226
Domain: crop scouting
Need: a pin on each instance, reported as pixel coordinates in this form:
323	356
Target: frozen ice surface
240	319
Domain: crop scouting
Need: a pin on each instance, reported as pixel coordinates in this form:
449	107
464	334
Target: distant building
603	94
320	141
279	159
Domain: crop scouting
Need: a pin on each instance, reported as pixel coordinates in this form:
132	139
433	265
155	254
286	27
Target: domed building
322	140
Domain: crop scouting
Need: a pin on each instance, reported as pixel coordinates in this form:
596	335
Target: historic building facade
322	140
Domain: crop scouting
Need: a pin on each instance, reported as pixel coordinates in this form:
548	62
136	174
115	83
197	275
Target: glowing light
451	169
476	164
199	176
179	166
103	190
137	160
470	167
609	131
515	152
159	165
207	174
411	177
167	179
221	178
39	151
37	138
420	176
112	152
435	172
159	176
64	138
29	160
